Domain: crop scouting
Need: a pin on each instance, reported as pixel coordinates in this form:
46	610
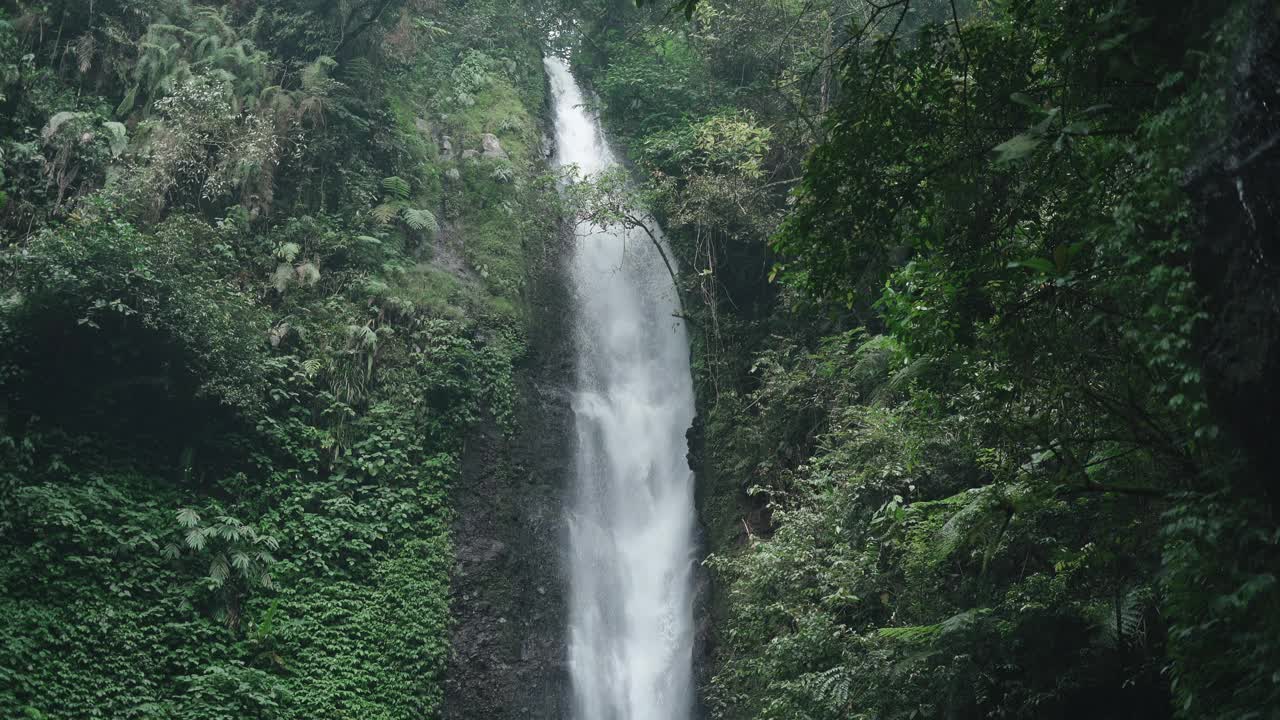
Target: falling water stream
631	517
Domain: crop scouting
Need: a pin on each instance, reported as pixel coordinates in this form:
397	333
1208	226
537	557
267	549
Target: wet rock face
1237	253
508	650
492	147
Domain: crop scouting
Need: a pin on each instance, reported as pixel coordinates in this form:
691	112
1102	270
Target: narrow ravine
631	515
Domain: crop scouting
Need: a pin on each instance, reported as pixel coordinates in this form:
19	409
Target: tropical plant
395	204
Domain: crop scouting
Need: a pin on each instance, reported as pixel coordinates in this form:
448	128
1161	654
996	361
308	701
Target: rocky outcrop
508	656
491	147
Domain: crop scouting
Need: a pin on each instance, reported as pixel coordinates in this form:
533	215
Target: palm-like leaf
363	338
312	366
126	105
219	570
85	46
385	212
188	518
315	77
419	220
396	187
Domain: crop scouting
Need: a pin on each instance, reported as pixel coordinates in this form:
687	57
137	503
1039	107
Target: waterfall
631	516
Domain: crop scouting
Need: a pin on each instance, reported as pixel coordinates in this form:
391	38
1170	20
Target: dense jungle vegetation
242	343
980	431
960	455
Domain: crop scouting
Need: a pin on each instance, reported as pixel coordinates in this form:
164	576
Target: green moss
435	291
493	248
497	109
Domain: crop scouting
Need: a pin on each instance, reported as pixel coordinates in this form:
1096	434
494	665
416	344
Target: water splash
631	522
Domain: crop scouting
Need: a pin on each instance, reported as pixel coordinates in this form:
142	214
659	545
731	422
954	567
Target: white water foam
631	521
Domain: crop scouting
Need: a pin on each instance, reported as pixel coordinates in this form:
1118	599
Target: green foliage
648	84
1011	501
893	575
234	392
100	280
228	692
419	220
396	205
396	188
958	464
396	618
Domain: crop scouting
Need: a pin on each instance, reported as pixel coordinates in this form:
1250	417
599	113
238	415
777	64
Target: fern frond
85	47
358	72
830	687
385	212
396	187
1120	622
315	77
503	173
419	220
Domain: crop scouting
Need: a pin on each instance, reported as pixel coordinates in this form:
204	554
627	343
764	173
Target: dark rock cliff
508	657
1237	253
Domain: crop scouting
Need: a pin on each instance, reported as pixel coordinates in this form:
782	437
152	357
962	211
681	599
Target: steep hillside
265	271
980	296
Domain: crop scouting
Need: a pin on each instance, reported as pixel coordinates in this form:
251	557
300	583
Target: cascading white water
631	522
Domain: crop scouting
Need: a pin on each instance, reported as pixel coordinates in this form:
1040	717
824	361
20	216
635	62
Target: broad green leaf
1043	265
1016	148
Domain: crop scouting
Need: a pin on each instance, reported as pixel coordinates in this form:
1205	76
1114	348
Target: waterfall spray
631	515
